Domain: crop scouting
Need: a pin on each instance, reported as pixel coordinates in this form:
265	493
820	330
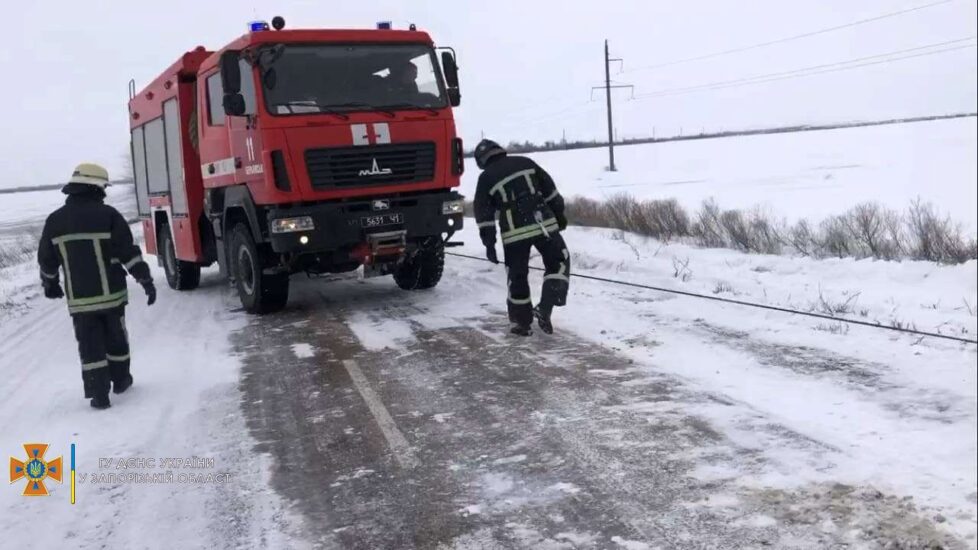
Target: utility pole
607	92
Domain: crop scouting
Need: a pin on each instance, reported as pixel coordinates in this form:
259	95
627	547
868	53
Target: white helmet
90	174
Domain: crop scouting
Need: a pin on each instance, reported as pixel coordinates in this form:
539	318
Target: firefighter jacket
522	195
92	244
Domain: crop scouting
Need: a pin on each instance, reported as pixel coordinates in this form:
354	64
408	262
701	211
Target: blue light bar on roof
384	25
257	26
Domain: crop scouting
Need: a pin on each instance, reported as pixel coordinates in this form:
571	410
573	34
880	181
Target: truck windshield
302	79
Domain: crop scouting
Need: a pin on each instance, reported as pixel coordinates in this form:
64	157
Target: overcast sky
527	67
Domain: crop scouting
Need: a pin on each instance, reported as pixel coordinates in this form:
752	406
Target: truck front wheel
259	292
421	271
180	275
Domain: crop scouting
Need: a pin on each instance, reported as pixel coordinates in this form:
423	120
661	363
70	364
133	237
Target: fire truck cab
300	151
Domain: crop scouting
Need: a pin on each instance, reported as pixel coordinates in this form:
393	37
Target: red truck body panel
239	152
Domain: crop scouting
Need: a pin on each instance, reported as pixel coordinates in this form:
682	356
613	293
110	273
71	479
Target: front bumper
338	225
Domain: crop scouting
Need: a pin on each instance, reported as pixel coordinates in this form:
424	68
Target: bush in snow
708	229
875	232
936	238
867	230
17	252
833	238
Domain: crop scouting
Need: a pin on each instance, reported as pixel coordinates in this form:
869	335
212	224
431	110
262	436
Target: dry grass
867	230
18	251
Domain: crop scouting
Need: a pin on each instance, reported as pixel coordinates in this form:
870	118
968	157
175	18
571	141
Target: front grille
371	165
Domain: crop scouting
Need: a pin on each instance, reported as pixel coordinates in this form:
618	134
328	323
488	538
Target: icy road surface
393	427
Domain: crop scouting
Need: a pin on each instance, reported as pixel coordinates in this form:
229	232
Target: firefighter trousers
556	279
103	346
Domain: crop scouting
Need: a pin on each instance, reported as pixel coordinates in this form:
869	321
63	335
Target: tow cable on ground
748	304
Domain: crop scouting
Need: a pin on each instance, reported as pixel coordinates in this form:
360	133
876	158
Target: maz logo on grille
387	164
376	170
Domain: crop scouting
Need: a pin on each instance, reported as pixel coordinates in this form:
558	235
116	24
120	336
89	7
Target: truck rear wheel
259	292
180	275
422	271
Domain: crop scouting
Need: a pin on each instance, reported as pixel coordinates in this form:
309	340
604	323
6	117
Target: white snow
441	418
800	175
509	460
630	544
378	333
568	488
303	351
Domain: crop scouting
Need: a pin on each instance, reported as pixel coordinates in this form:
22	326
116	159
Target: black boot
97	384
100	402
542	315
520	330
119	387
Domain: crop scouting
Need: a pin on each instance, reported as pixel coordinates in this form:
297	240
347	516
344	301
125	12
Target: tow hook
446	243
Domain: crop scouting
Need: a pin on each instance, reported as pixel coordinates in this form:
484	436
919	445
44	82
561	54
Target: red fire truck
290	151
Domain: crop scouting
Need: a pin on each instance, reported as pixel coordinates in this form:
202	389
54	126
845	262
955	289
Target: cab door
217	165
245	138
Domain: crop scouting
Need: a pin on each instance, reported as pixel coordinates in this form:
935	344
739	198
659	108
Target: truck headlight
291	225
452	207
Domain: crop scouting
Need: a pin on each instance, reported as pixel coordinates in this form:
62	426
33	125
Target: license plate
381	219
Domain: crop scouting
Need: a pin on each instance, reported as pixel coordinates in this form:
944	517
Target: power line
581	108
748	304
817	69
524	122
594	107
789	38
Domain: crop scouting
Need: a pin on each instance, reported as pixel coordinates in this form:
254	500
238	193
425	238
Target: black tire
180	275
260	293
423	271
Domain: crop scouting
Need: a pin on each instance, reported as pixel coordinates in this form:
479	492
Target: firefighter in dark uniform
92	245
530	214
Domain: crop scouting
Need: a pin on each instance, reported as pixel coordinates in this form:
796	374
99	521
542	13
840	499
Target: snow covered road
539	443
367	417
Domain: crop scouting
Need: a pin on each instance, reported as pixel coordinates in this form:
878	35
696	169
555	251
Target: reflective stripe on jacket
521	195
92	244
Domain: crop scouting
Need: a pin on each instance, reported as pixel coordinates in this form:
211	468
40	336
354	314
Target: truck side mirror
231	72
451	69
451	78
454	97
234	105
233	102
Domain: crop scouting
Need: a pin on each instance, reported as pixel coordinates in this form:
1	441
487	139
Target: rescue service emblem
381	204
35	469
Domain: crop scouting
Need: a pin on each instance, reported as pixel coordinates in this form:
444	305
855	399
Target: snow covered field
650	420
801	175
23	212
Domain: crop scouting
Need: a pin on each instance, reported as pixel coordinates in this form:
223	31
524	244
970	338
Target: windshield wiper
367	106
395	106
322	108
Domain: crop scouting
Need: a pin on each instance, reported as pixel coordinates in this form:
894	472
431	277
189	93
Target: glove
491	253
53	291
561	221
150	289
